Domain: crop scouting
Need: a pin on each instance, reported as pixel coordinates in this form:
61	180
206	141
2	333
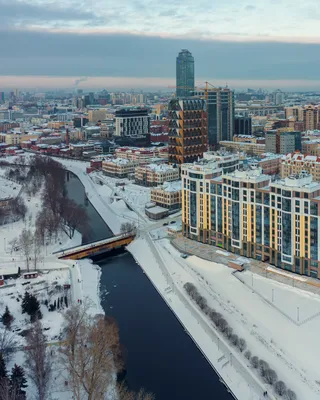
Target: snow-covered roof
174	186
160	167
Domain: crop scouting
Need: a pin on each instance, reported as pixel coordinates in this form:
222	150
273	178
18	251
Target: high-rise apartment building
220	114
97	115
1	97
132	122
311	117
278	97
188	135
282	142
184	74
294	112
247	214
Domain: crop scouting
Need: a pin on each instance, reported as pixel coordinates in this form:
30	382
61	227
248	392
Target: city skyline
137	43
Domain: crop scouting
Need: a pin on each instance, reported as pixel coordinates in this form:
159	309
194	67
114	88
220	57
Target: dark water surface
161	357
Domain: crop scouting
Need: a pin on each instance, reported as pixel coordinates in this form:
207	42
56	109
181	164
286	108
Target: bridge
95	248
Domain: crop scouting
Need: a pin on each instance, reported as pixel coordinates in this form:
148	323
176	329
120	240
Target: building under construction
188	133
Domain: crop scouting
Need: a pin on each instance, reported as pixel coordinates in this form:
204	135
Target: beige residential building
248	139
155	174
295	163
311	117
311	147
118	167
168	195
14	139
247	147
295	112
97	115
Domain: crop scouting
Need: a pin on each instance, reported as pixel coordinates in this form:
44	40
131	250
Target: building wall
254	148
149	177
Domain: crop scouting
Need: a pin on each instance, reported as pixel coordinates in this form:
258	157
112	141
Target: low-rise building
311	147
168	195
247	147
295	163
143	155
119	167
248	139
155	174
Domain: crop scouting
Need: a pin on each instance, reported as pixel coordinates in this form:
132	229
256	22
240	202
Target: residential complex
168	195
296	163
143	155
184	74
247	214
311	147
309	115
155	174
187	130
132	121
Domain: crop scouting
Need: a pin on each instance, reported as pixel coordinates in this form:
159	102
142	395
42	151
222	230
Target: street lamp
272	295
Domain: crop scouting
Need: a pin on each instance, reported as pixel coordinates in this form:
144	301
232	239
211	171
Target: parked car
184	255
165	224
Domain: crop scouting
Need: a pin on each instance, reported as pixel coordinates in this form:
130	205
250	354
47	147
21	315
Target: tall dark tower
185	74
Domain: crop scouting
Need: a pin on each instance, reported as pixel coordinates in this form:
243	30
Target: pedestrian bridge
95	248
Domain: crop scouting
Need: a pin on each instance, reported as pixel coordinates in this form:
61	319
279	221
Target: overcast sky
133	43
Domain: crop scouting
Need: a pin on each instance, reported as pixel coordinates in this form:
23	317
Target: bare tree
270	376
7	343
125	394
291	395
222	324
26	243
235	339
280	388
91	354
72	217
127	227
37	244
263	367
254	361
242	344
37	360
247	354
228	332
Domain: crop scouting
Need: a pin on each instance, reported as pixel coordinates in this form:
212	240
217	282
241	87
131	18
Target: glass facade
185	74
286	234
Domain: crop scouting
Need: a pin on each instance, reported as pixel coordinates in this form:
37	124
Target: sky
128	44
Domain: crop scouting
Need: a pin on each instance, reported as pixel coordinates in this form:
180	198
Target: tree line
265	371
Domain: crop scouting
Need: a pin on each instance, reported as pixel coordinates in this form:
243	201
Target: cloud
13	10
250	7
117	55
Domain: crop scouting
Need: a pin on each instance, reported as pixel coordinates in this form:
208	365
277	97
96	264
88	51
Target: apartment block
97	115
155	174
247	214
311	147
143	155
296	163
119	168
249	139
168	195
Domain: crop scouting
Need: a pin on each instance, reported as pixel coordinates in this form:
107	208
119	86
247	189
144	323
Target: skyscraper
185	74
220	114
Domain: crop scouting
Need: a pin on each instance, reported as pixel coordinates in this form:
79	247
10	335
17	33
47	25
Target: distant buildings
309	115
247	214
282	142
184	74
220	113
97	115
155	174
188	134
132	122
248	147
296	163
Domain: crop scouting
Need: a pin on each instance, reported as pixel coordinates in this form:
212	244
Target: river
161	357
